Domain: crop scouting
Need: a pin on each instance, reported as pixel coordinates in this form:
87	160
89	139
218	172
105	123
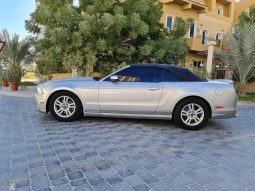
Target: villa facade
212	20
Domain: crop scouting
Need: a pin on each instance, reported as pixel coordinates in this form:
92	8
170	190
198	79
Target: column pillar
74	72
231	10
211	45
213	6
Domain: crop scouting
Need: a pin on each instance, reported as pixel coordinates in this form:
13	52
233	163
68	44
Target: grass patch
27	84
248	97
29	75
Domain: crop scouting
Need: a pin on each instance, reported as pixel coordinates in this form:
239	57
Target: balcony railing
199	5
201	2
196	44
218	43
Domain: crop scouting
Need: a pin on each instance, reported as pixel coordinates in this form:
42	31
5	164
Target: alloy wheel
64	106
192	114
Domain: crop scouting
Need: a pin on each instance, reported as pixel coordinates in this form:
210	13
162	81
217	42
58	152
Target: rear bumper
41	104
225	114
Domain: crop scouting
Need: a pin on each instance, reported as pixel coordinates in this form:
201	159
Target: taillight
219	107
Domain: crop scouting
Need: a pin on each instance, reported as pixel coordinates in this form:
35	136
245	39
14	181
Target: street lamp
1	45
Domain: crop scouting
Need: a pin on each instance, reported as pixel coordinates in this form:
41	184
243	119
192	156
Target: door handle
153	89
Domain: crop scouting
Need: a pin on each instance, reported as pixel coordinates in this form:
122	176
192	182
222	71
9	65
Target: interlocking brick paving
39	153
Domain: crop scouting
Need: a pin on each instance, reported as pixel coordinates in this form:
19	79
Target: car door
138	91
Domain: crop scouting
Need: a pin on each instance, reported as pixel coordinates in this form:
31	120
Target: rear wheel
192	114
65	106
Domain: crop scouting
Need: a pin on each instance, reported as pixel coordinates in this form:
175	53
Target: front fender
55	90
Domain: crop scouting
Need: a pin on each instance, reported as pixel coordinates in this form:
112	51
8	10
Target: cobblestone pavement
28	91
38	153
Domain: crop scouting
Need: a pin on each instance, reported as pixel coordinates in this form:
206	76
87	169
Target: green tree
16	55
58	21
239	55
1	72
247	17
106	34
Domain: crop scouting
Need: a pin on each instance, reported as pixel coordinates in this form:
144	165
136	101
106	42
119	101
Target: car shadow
164	124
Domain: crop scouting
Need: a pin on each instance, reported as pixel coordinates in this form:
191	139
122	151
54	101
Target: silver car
159	91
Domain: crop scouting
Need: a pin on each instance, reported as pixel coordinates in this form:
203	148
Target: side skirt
137	116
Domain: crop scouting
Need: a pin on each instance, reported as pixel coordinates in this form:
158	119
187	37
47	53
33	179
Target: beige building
212	19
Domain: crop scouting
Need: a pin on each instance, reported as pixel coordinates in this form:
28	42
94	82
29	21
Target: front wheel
192	114
65	106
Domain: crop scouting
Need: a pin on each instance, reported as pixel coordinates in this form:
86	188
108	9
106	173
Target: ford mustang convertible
159	91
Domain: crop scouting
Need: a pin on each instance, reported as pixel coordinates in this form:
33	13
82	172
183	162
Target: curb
246	102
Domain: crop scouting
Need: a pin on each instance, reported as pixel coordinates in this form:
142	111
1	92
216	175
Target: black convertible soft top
181	73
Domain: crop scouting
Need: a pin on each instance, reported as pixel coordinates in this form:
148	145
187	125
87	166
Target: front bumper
41	103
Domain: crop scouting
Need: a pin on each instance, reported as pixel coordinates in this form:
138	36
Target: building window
220	11
218	36
192	30
204	36
197	64
169	23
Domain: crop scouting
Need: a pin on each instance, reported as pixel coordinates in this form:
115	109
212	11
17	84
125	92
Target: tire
68	105
191	114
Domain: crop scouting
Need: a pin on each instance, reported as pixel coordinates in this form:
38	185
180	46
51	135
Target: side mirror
114	78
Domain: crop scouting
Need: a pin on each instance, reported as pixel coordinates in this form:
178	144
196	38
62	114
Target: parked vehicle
141	91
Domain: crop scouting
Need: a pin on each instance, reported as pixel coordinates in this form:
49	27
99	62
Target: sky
13	14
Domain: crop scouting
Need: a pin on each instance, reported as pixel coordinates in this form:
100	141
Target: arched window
192	30
220	11
204	36
218	36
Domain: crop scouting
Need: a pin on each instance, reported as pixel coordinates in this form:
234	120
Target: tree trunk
241	88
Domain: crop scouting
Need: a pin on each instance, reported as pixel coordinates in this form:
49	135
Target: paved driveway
38	153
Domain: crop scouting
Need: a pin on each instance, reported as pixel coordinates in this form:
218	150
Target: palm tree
239	55
16	54
247	17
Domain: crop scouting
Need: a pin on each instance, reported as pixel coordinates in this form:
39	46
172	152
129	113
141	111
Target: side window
168	77
145	74
140	74
129	75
